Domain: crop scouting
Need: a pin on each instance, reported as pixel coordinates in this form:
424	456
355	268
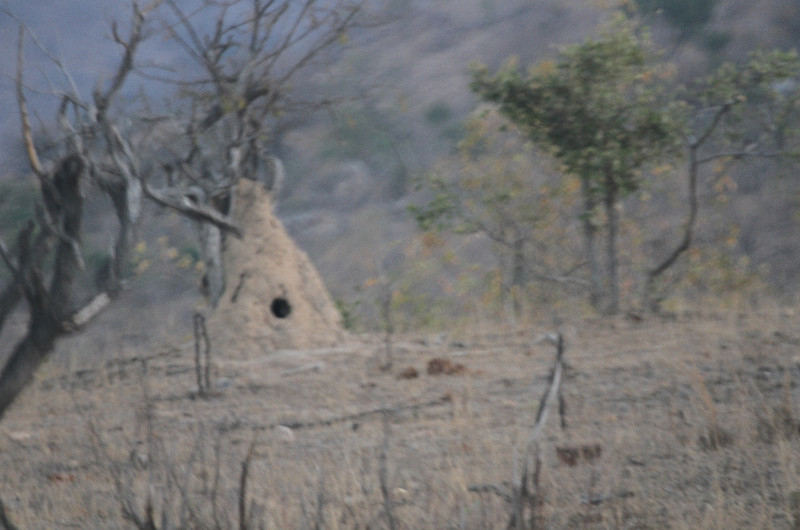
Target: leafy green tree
606	110
601	110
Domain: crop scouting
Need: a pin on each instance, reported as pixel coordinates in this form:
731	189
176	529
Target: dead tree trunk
51	313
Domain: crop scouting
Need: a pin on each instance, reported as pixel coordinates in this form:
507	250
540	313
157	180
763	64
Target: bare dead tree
240	60
56	233
240	83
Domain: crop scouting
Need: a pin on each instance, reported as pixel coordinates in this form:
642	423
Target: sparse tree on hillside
498	186
745	111
607	112
234	78
599	108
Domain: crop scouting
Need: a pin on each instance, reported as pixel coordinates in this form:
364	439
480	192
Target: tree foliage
608	110
740	111
498	185
601	109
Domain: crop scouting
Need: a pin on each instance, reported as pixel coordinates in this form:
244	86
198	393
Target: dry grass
696	420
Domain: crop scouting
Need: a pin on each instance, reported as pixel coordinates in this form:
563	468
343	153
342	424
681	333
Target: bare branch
491	488
694	145
177	200
195	47
89	311
719	113
8	258
738	154
562	279
361	415
553	385
130	45
383	475
50	56
27	136
333	35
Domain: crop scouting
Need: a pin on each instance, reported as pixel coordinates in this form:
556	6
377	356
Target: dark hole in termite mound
280	307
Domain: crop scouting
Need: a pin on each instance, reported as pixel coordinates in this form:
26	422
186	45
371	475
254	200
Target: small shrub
347	310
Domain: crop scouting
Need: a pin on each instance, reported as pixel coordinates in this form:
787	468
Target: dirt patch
408	373
439	366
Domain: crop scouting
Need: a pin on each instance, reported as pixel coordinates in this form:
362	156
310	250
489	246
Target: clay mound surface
274	297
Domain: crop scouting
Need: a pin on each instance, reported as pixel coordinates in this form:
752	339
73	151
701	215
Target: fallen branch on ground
360	415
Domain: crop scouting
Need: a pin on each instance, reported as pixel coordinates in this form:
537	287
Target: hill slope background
352	176
351	172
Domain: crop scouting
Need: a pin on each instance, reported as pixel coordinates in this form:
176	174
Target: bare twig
27	137
519	492
319	522
312	367
129	46
123	490
500	491
88	312
216	484
180	202
553	386
360	415
599	499
383	475
243	516
200	352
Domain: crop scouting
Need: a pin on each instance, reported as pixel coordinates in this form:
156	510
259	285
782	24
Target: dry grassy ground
697	420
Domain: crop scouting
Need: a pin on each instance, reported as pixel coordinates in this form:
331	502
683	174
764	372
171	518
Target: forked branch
178	200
